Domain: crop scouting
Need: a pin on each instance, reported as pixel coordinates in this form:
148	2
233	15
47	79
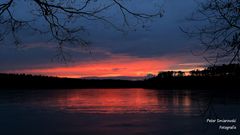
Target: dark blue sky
163	40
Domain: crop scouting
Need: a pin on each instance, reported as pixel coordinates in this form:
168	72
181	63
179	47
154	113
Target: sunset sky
113	54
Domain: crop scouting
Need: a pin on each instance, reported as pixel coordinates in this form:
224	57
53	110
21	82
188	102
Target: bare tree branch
64	18
220	29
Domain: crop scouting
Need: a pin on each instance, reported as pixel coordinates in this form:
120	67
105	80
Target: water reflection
110	101
115	111
107	101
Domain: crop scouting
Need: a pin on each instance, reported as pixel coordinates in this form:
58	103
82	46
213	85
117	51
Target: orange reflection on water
118	101
110	101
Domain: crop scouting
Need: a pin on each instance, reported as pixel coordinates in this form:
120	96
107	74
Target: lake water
116	112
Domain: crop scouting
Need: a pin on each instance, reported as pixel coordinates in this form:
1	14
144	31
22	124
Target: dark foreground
14	81
116	112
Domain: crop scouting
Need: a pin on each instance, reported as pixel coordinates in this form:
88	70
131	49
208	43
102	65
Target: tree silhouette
166	74
180	74
196	73
64	19
219	29
218	71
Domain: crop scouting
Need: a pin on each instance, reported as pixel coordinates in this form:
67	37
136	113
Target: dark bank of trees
231	70
170	74
214	77
23	81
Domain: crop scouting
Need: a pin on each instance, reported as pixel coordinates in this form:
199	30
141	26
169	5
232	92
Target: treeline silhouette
214	77
231	70
24	81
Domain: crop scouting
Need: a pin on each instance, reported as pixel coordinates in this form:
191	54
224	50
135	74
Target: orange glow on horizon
126	66
113	67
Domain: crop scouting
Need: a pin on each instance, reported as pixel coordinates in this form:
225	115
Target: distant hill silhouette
214	77
22	81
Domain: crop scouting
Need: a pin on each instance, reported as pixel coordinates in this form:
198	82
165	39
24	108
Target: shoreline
13	81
